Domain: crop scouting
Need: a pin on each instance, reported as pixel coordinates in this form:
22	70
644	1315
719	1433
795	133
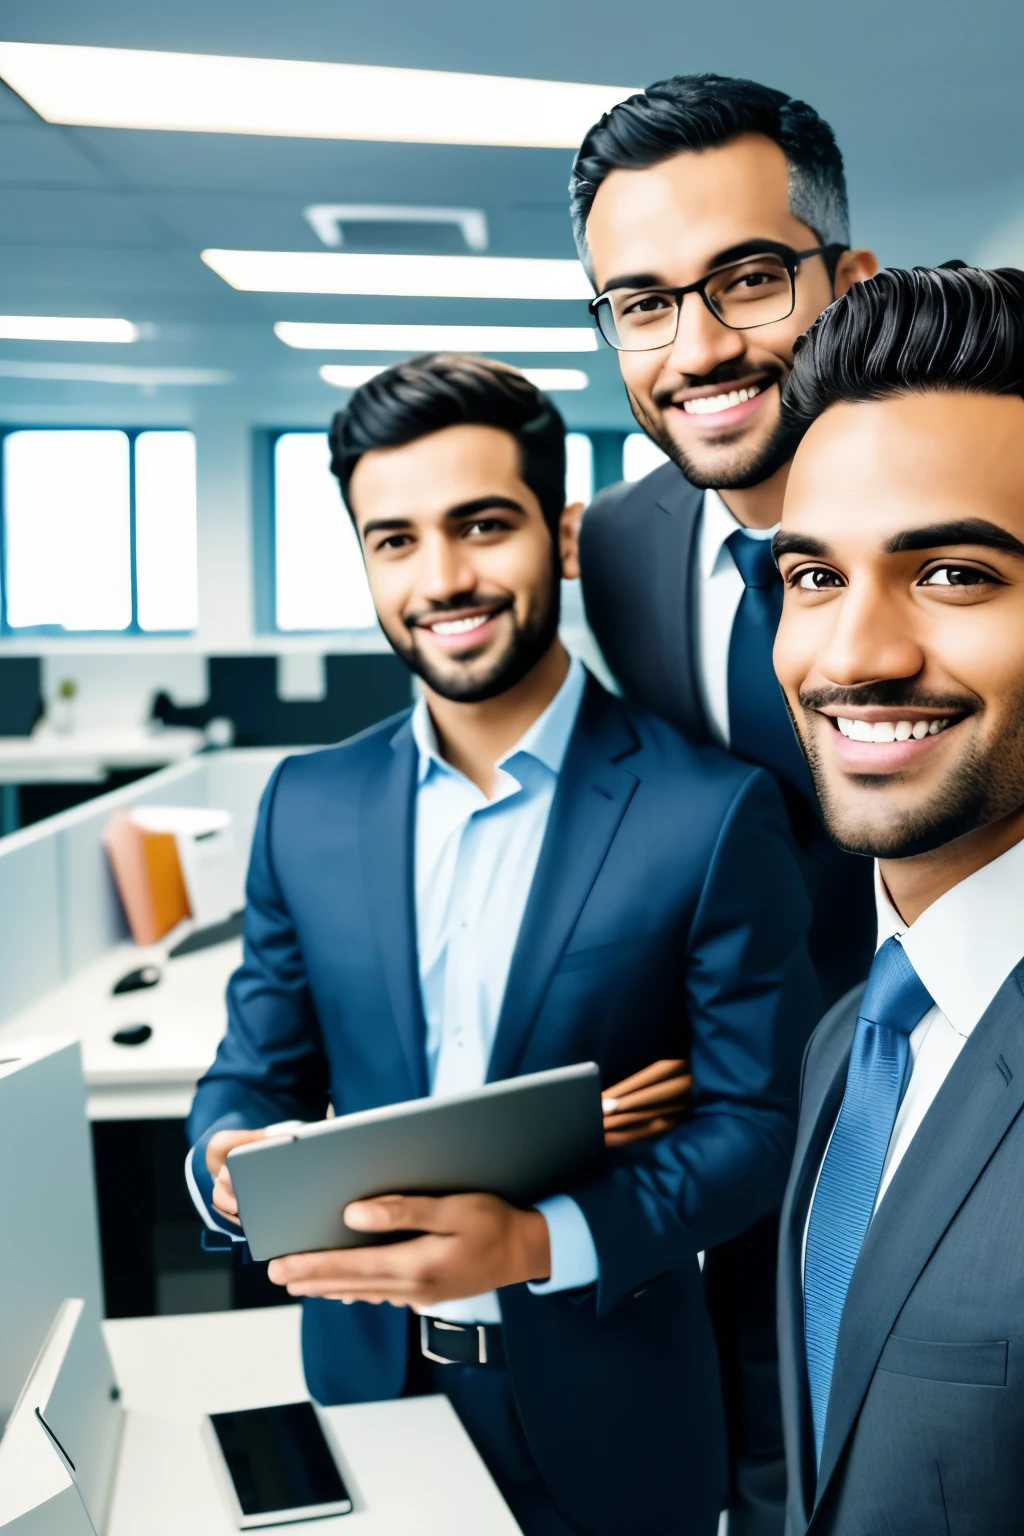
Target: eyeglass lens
756	291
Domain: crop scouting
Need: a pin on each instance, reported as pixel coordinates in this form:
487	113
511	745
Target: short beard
981	788
757	467
530	642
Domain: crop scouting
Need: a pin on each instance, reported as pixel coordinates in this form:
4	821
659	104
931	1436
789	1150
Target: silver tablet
523	1139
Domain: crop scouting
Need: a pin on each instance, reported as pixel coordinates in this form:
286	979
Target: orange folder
148	874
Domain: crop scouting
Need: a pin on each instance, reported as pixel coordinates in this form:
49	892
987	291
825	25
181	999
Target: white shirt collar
546	740
716	525
964	945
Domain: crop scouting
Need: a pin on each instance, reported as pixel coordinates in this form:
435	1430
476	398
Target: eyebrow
454	514
720	259
968	530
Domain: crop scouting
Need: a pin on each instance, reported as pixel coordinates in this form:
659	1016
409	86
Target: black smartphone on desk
277	1466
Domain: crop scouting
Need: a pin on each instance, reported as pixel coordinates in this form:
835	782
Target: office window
640	456
319	578
320	582
579	468
98	531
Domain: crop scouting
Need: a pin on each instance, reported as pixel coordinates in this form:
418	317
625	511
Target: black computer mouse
135	981
132	1034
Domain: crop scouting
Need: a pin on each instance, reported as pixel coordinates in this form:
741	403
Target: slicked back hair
934	328
693	112
448	389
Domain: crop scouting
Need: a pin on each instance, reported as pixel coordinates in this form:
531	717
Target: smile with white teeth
890	730
706	405
459	626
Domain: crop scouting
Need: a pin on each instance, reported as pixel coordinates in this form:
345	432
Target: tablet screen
279	1460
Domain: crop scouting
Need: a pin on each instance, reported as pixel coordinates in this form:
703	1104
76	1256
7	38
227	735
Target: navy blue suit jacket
667	918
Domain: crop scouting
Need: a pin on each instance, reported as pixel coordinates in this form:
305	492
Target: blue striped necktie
894	1002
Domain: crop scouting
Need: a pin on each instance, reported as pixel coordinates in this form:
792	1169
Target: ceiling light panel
420	277
351	375
135	88
327	337
64	328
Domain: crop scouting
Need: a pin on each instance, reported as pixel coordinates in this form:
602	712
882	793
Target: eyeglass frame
792	260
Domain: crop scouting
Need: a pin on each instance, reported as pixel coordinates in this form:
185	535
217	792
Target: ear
854	267
569	540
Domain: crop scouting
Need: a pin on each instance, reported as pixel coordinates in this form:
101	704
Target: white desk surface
156	1080
409	1465
83	756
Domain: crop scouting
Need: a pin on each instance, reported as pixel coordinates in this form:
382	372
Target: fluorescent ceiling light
557	378
57	328
112	373
326	337
351	375
133	88
421	277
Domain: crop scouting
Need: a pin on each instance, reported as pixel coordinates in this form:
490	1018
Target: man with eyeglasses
711	216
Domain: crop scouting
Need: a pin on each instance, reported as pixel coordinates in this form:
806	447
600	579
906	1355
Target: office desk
409	1465
156	1080
87	756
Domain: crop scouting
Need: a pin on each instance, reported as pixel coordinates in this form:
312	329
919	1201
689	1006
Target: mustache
451	607
895	693
726	373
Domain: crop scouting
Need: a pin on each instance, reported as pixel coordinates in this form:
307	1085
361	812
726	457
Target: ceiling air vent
393	228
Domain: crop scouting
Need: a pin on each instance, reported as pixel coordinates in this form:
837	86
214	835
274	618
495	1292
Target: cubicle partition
64	944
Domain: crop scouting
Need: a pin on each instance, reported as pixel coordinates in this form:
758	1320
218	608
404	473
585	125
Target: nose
702	343
871	638
446	569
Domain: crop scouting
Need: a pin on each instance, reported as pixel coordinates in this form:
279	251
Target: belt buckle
428	1353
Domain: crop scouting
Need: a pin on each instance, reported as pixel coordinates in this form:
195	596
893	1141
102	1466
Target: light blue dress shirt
475	861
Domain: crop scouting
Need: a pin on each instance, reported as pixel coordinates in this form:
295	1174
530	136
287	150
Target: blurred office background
183	309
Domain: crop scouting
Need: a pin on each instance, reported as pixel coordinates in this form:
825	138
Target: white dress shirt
962	947
718	590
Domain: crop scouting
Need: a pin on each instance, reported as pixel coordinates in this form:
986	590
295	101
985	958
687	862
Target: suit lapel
817	1117
386	845
673	579
590	801
963	1127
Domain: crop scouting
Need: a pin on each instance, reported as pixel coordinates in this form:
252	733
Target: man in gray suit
901	652
711	216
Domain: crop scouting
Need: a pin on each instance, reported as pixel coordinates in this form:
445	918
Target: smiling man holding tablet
519	874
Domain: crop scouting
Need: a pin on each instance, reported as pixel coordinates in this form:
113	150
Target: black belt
461	1343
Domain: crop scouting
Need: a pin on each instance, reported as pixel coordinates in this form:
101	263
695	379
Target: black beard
754	470
982	787
529	643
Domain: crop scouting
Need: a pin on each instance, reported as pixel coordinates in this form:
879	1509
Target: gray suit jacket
925	1428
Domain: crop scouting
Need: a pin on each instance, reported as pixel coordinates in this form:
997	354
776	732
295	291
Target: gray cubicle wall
59	909
49	1241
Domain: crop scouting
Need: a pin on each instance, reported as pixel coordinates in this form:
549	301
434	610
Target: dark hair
936	328
447	389
691	112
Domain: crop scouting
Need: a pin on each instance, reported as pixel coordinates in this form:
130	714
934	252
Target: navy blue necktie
759	725
895	1001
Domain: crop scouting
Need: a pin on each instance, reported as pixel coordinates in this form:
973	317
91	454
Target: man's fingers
399	1213
673	1112
672	1088
223	1142
639	1133
657	1072
342	1268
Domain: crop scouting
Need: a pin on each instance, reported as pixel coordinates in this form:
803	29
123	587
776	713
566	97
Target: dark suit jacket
639	557
925	1425
667	916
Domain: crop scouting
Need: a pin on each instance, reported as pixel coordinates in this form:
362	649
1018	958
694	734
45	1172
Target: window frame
58	631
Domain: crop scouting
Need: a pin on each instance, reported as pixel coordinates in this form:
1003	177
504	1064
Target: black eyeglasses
759	290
